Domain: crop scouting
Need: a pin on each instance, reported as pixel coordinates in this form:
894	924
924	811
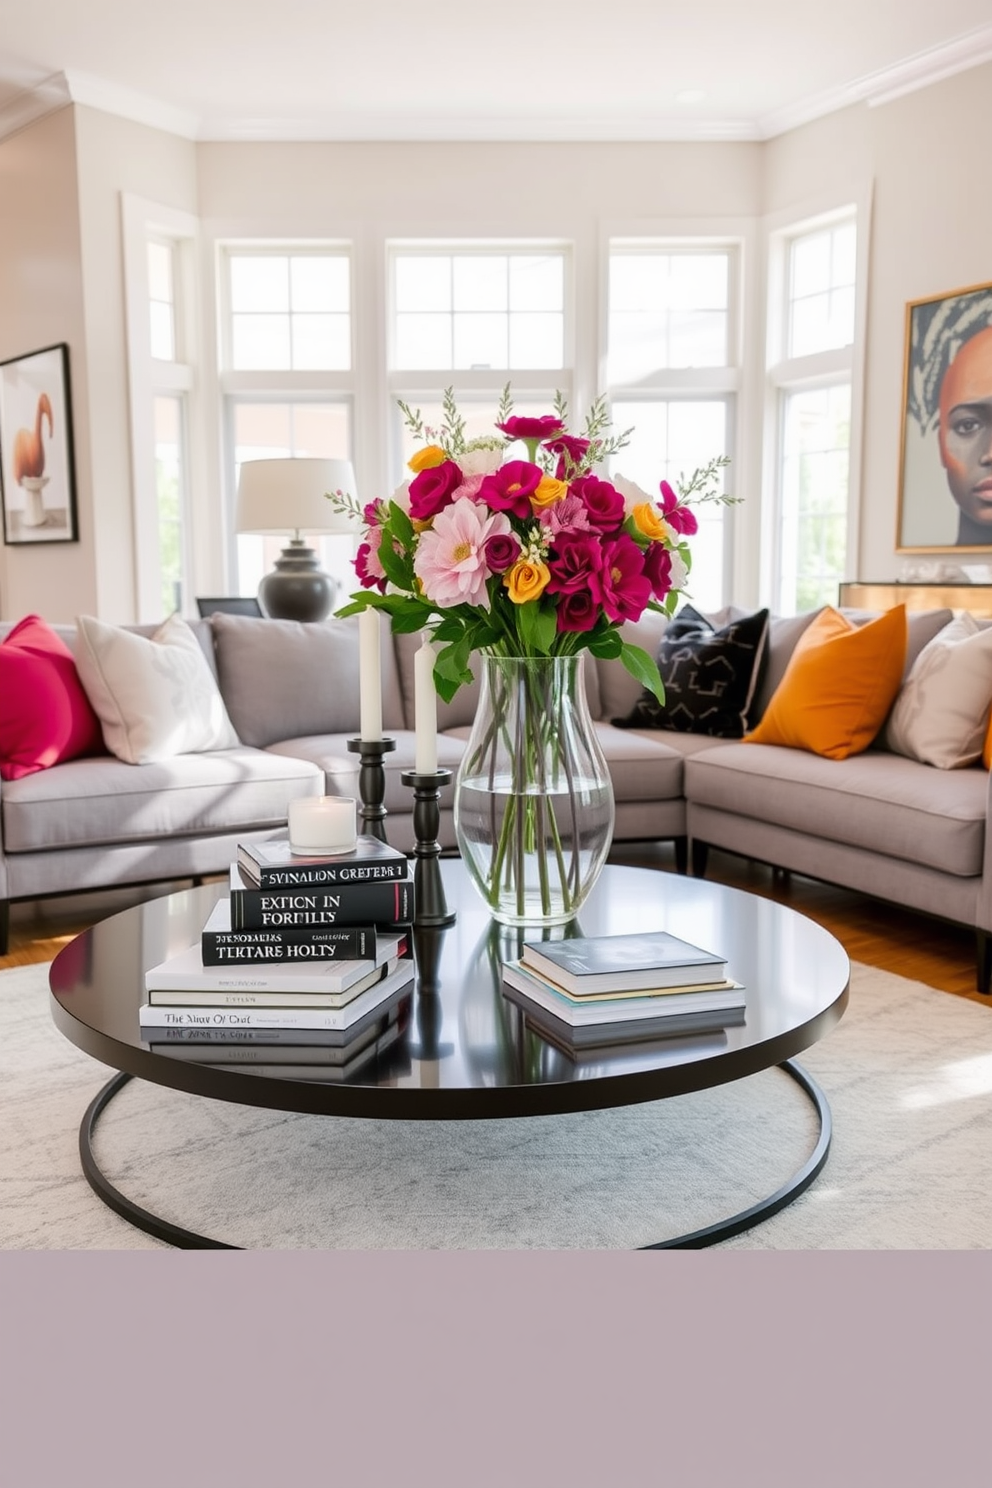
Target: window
159	268
811	385
486	314
287	377
673	378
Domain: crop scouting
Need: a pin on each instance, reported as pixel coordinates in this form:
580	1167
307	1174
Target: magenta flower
571	451
658	569
621	586
432	490
501	551
370	572
573	560
678	517
578	611
450	559
567	515
545	427
510	487
602	502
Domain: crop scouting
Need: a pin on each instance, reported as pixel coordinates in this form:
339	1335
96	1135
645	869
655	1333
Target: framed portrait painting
37	473
945	467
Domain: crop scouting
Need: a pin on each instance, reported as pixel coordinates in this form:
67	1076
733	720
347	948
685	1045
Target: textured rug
908	1073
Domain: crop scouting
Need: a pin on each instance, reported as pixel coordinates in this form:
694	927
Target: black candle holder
372	784
430	905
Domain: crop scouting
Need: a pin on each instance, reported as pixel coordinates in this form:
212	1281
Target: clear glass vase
533	795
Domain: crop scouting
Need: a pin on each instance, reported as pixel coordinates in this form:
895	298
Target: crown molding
882	87
97	93
33	104
394	128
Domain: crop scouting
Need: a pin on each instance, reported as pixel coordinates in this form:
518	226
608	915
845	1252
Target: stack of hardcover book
603	990
304	955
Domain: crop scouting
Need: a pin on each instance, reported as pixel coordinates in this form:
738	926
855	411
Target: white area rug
908	1073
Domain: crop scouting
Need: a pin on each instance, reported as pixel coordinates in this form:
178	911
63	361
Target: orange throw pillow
840	683
987	746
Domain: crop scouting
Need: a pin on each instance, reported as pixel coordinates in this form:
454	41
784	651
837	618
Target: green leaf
642	666
538	627
400	525
608	645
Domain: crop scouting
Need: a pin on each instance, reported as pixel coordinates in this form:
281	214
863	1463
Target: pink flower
371	574
622	587
678	517
469	488
567	515
571	451
545	427
578	611
602	501
658	569
433	489
501	551
450	560
573	560
510	487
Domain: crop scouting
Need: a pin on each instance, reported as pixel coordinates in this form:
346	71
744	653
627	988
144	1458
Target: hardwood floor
877	934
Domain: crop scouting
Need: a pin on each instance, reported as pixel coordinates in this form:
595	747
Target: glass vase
533	795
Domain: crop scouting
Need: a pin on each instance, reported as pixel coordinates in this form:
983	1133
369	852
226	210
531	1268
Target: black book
220	945
273	864
388	906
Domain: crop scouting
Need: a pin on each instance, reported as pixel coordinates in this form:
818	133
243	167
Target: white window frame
784	375
527	384
730	383
144	220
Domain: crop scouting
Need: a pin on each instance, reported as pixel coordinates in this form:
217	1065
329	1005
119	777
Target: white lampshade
289	495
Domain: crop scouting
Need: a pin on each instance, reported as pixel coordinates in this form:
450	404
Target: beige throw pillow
155	696
942	709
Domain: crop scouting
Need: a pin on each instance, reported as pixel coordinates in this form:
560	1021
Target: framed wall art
37	473
945	466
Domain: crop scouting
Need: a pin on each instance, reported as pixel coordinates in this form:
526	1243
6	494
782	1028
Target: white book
185	972
584	1015
152	1015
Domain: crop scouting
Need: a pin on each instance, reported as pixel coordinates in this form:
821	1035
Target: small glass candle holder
324	825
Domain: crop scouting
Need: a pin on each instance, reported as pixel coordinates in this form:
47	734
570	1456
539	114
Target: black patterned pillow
711	676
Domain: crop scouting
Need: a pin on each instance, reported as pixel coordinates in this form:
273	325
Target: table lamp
288	496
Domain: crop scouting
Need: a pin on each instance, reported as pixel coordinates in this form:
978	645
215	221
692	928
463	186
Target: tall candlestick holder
430	905
372	783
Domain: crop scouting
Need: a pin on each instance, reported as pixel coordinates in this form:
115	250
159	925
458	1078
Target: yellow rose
548	492
648	519
426	459
526	580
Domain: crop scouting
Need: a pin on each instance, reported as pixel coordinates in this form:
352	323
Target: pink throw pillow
45	715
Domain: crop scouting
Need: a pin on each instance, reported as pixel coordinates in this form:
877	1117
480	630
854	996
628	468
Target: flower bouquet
512	548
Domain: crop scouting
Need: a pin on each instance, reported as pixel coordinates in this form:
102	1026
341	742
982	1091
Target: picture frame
37	465
941	508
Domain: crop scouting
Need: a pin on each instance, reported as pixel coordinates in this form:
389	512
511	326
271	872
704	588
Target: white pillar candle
323	824
425	709
370	684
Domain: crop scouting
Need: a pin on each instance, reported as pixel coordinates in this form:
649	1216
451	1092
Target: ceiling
437	69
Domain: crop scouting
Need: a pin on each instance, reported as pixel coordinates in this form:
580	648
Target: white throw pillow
942	710
155	697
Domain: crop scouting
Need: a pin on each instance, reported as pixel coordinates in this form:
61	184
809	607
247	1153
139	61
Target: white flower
480	461
402	497
679	571
631	493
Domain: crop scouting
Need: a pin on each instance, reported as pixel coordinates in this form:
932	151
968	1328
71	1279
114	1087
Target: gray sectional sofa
876	822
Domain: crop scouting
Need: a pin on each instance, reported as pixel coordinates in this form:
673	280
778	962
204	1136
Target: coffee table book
208	1043
222	946
601	1010
185	972
385	905
572	1038
284	1015
612	963
273	864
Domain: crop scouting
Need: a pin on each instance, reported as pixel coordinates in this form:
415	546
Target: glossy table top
466	1051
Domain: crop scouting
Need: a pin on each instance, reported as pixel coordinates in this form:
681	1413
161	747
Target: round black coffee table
467	1052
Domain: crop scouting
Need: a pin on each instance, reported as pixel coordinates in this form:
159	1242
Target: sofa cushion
710	676
880	802
838	686
155	696
941	714
282	679
642	767
90	802
618	689
45	715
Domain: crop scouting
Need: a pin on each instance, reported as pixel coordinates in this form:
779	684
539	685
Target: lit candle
425	709
323	824
370	685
